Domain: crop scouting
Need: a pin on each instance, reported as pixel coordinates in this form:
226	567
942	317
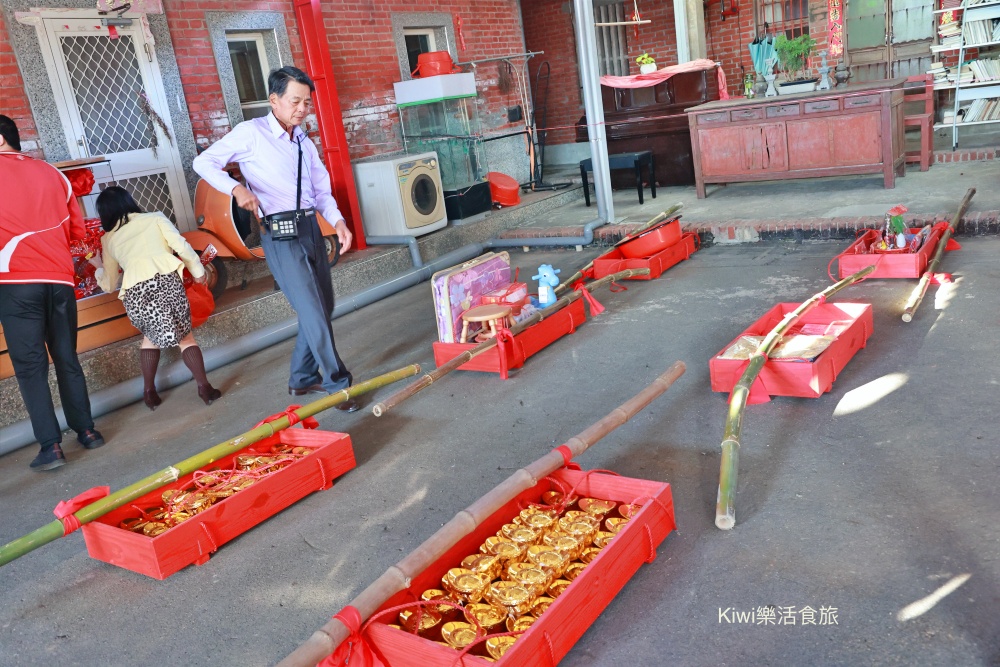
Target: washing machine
401	196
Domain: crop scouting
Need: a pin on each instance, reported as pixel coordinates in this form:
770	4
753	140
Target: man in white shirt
288	182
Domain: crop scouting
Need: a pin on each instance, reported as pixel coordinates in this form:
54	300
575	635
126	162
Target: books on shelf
983	109
985	69
981	32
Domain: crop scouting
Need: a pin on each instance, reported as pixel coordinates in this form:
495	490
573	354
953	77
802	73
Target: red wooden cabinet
855	130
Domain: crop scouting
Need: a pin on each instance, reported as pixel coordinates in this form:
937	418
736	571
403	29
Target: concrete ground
860	502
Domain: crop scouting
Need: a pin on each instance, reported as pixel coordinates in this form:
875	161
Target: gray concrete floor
864	500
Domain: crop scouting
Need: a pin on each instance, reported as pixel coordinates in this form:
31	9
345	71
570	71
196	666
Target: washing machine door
421	193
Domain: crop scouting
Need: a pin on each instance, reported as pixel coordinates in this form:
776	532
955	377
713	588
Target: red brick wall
13	101
364	62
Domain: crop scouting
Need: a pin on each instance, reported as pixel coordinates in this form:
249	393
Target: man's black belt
290	215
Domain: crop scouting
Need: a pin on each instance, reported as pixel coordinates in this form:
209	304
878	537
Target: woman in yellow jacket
143	244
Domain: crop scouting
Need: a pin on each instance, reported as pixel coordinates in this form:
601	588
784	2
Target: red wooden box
530	341
193	540
552	636
888	265
805	379
614	261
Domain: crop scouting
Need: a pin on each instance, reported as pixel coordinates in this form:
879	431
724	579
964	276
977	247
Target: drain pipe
102	402
549	241
410	241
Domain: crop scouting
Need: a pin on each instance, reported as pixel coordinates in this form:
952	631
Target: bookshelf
976	82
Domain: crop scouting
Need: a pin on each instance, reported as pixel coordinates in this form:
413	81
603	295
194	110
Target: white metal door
103	87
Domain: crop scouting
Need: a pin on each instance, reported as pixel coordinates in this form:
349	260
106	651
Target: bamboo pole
325	641
428	379
660	217
54	530
917	295
725	504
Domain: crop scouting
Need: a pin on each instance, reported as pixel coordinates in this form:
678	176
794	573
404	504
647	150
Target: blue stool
624	161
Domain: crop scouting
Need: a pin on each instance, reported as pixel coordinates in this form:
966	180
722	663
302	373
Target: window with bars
250	68
784	16
612	42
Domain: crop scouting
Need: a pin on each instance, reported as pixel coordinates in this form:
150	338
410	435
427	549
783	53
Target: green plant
645	59
793	55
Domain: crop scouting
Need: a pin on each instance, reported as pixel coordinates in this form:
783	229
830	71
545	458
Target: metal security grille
105	77
150	193
784	16
612	43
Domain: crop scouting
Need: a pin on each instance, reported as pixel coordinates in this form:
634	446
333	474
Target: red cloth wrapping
81	180
202	303
664	73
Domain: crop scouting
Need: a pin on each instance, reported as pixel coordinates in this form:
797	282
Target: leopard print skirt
159	308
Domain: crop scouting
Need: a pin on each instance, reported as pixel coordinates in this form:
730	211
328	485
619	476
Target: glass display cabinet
439	114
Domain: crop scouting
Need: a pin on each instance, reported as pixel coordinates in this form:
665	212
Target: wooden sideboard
852	130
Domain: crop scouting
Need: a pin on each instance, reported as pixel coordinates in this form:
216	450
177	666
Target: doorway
112	103
889	38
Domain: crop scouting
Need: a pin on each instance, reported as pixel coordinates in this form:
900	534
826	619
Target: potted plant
646	63
793	58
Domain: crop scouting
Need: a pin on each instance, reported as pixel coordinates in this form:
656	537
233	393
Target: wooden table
852	130
624	161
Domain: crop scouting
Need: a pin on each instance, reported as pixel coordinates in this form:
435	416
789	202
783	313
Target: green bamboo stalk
917	295
428	379
325	641
54	530
660	217
725	503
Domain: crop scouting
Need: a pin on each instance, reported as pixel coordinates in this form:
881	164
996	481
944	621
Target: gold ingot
301	451
601	538
520	624
534	579
589	554
541	604
581	530
596	506
628	510
537	518
573	570
510	595
556	498
578	515
497	646
129	524
489	616
244	483
465	585
485	564
458	634
177	517
564	543
558	586
506	550
614	524
173	496
245	461
548	559
428	619
519	535
154	528
438	594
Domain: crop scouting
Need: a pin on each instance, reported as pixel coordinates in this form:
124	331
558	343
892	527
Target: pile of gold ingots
518	573
207	487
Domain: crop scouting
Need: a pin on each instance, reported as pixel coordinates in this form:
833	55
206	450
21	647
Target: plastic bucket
504	190
434	63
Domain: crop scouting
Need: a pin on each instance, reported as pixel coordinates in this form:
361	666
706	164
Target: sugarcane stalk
325	641
917	295
660	217
428	379
725	503
99	508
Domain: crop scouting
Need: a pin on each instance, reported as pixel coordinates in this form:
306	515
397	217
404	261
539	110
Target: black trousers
39	320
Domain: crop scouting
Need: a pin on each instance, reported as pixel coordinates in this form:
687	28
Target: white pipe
681	30
586	46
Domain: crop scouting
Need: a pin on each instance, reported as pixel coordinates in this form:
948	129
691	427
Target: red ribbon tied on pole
66	510
353	651
293	419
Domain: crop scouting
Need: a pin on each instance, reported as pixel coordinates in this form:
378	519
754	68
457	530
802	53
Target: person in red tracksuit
39	216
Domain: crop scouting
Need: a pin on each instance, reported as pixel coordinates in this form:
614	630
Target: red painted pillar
331	122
